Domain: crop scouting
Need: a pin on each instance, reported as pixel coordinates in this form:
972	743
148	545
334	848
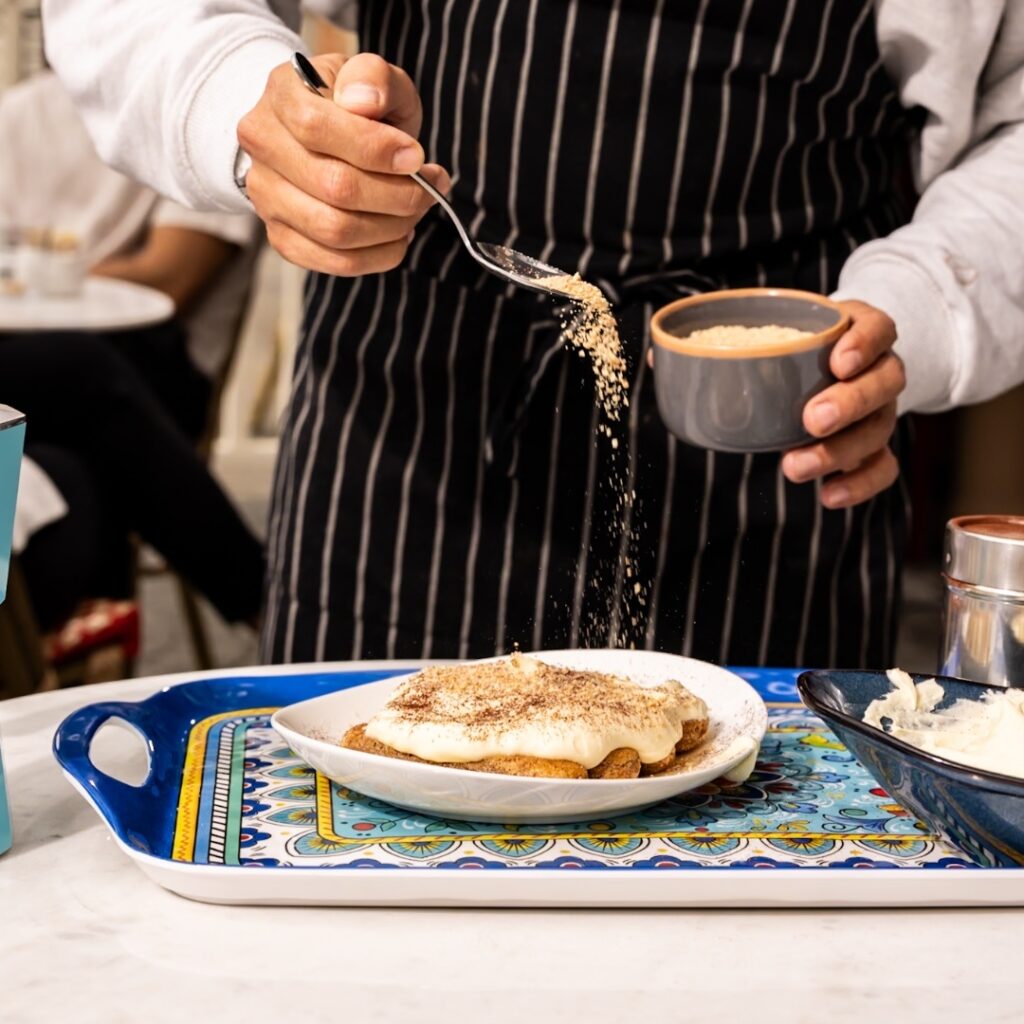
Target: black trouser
160	356
100	427
84	553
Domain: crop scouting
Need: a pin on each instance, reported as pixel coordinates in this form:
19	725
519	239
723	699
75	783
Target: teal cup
12	442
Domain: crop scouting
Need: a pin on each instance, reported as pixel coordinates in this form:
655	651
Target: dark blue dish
980	812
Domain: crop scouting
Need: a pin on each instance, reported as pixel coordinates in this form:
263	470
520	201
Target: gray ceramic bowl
749	398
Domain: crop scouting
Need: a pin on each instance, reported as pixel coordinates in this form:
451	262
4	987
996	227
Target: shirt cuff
925	338
230	88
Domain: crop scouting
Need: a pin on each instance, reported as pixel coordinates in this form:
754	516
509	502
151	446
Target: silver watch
243	164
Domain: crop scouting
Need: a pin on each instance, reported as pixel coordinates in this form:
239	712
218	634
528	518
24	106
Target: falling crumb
592	330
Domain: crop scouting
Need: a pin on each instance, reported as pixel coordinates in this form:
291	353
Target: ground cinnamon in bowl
741	336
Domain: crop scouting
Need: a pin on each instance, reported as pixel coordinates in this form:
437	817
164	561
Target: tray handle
129	810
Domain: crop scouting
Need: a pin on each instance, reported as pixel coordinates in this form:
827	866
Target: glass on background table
86	936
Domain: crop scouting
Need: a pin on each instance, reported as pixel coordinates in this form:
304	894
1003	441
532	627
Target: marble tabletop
85	936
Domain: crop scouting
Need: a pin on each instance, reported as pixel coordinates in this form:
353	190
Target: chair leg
196	626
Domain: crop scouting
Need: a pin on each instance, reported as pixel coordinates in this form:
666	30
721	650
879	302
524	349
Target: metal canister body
983	619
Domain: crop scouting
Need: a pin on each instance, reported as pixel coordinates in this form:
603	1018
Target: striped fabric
441	489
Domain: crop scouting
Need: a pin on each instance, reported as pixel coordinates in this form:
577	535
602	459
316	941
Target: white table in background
104	304
85	936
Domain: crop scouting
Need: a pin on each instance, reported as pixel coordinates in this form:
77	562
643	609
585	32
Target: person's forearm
179	262
162	84
953	280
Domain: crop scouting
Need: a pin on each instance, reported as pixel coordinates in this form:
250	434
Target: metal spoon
498	259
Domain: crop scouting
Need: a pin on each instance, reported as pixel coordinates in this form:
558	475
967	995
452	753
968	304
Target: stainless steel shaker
983	620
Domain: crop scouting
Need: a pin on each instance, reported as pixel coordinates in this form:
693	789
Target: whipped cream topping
986	733
522	706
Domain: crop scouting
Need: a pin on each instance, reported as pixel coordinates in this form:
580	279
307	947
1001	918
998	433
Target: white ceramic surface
102	304
737	716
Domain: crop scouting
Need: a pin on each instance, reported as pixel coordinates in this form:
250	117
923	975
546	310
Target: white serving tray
808	829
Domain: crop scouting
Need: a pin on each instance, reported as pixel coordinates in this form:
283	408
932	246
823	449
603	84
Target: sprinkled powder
520	691
615	616
592	330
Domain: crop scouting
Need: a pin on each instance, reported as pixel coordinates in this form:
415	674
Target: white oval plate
738	720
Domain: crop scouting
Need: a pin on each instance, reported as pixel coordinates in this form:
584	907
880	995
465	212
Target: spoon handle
308	73
452	216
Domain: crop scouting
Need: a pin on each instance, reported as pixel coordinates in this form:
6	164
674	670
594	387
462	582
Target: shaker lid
986	551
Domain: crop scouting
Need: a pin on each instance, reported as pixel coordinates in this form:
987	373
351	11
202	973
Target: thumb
371	87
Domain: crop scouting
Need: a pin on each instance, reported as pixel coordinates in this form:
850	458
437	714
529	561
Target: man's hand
855	417
330	180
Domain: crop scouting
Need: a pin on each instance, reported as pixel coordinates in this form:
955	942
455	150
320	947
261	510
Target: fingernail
824	416
406	160
835	496
848	363
409	237
803	465
360	94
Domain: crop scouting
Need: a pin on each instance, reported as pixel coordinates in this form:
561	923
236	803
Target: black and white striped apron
440	491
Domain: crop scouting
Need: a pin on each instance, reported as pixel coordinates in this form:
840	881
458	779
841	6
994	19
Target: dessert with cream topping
521	716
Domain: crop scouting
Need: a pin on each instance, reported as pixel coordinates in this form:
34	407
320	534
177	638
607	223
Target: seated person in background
120	466
51	178
114	416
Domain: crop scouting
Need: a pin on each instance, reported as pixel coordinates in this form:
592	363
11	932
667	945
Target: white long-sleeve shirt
162	85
